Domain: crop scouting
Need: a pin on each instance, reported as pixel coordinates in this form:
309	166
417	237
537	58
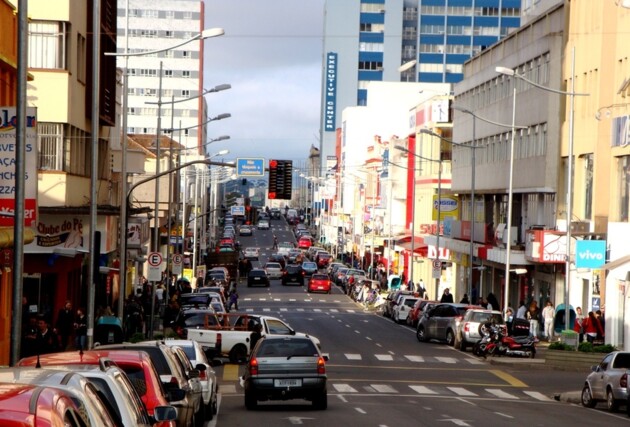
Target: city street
380	375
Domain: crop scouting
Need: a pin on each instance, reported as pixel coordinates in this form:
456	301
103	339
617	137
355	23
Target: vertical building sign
8	150
331	92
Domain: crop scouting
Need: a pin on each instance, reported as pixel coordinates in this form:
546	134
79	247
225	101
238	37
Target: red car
323	259
305	242
137	365
319	283
23	405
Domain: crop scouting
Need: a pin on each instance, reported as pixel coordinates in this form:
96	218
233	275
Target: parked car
274	270
608	382
310	253
293	273
195	318
322	259
173	377
285	367
392	300
309	268
251	253
441	322
197	300
418	308
66	396
257	277
319	282
469	331
402	309
332	268
339	275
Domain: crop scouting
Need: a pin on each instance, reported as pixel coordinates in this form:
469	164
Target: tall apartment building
147	25
368	40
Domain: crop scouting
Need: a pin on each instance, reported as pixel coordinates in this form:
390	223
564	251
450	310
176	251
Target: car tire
321	401
587	398
611	403
457	345
250	401
421	334
200	417
208	412
238	354
463	346
450	337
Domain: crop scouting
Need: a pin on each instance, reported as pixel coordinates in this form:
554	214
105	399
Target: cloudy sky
271	54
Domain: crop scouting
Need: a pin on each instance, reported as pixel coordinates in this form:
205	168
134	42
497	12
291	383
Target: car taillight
623	382
253	367
466	327
173	380
321	366
202	375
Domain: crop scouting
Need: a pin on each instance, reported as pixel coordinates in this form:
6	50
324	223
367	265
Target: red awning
419	248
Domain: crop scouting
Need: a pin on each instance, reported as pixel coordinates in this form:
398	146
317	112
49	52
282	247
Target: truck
232	338
228	260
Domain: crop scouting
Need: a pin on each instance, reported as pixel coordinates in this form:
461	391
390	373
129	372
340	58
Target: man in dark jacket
47	340
65	324
447	296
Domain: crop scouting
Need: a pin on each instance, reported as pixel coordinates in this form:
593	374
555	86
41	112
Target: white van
292	213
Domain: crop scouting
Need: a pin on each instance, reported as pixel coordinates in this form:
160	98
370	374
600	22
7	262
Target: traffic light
280	179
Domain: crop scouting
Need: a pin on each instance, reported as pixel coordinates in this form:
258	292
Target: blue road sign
237	210
248	167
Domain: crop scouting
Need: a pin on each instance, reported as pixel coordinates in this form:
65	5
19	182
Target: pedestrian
170	316
80	330
275	242
548	318
592	327
65	323
233	300
483	303
522	310
255	336
493	303
578	326
159	294
474	294
465	300
602	323
421	289
47	340
533	315
446	296
509	320
29	337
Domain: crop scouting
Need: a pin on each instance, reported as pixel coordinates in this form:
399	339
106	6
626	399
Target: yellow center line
230	372
513	381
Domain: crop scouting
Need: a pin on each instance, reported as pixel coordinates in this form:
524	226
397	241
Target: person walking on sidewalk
548	317
579	324
533	315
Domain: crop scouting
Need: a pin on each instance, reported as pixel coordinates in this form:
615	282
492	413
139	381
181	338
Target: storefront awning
616	263
419	248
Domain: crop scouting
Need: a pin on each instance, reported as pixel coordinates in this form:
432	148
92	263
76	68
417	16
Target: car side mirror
164	413
174	393
326	357
193	373
201	367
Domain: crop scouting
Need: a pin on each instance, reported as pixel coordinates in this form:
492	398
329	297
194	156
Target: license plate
288	383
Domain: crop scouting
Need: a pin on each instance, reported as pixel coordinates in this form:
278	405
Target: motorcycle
496	342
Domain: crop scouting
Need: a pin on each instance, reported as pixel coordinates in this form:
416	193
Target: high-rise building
147	25
368	40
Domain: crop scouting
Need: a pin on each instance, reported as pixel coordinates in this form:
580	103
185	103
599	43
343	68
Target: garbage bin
569	338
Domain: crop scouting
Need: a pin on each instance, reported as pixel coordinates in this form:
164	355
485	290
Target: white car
285	247
402	309
251	253
208	379
263	224
274	270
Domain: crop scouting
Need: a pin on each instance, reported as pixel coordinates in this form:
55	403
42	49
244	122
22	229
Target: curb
569	397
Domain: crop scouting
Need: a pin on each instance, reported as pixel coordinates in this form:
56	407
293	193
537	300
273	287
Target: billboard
330	107
8	151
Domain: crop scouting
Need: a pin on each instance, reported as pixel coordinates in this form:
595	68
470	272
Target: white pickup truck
234	341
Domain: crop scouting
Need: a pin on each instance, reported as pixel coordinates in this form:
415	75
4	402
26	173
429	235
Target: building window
370	47
185	54
81	58
48	45
185	93
168	54
371	65
151	34
588	186
624	187
187	15
170	14
186	74
50	146
168	34
168	73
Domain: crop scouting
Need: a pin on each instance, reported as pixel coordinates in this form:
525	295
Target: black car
257	277
279	258
286	367
293	273
275	213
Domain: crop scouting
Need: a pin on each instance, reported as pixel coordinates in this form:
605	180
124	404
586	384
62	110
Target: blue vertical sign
331	92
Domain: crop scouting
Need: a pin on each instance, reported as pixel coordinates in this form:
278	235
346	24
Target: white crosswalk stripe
474	361
537	395
413	358
450	360
460	391
422	389
383	388
384	357
228	389
344	388
500	393
351	356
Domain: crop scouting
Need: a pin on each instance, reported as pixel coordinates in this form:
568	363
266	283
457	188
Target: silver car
469	331
608	382
274	270
441	322
285	367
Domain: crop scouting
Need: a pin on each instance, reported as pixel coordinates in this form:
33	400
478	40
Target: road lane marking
511	380
344	388
352	356
413	358
422	389
228	389
230	372
460	391
384	388
384	357
334	310
360	411
283	309
474	361
266	310
539	396
500	393
450	360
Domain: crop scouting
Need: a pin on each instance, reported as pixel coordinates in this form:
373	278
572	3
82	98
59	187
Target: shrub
561	346
586	347
607	348
137	337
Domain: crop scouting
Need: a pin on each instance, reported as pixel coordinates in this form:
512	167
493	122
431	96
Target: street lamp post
572	94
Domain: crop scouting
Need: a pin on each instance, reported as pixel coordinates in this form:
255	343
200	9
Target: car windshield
309	265
487	317
256	273
320	277
192	320
409	302
273	265
198	299
622	361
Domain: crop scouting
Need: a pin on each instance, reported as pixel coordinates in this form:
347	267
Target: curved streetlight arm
483	119
219	117
217	88
509	72
205	34
221	138
175	169
401	148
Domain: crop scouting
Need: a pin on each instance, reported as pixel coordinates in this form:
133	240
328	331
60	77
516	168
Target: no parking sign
178	261
155	266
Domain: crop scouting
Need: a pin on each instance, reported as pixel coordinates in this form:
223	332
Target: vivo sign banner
8	150
590	253
331	92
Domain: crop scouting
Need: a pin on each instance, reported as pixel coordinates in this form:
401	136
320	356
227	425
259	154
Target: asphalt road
380	375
